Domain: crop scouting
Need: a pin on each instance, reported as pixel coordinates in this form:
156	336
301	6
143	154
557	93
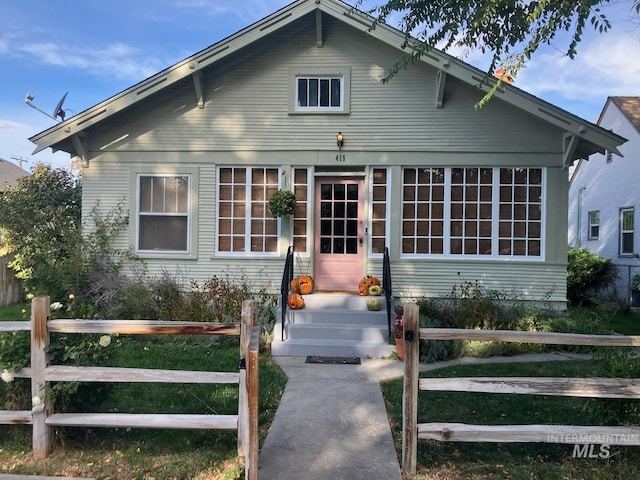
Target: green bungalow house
449	192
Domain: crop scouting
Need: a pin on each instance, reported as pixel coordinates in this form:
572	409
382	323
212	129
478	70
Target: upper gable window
315	90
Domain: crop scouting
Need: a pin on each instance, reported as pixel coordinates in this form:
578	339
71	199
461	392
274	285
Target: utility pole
20	160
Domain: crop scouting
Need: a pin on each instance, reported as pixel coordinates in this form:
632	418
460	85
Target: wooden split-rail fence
41	373
412	431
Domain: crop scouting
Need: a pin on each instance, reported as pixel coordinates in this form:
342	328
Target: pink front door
339	227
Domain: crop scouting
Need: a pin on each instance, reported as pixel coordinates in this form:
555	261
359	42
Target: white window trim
342	72
247	253
192	224
495	215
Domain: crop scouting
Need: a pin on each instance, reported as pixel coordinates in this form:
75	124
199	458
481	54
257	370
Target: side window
163	213
301	216
594	225
313	90
379	211
626	232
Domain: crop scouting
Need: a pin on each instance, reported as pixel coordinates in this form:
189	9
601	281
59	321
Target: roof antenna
57	112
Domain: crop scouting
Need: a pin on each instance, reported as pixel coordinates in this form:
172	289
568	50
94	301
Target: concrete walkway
332	423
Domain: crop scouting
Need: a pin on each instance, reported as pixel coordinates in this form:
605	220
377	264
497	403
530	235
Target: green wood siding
246	120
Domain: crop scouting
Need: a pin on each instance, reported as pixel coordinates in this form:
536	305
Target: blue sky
95	49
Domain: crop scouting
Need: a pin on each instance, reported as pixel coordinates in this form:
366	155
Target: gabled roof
9	174
582	138
630	107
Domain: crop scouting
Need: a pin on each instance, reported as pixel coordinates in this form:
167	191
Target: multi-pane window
471	219
245	224
423	209
163	213
379	210
301	215
626	231
319	93
594	225
472	211
520	229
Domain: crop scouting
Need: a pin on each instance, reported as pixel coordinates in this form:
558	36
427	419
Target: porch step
333	324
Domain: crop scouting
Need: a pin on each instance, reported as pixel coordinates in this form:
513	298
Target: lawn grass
151	453
489	461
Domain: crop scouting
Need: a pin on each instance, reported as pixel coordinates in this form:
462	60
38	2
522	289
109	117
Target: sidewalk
332	423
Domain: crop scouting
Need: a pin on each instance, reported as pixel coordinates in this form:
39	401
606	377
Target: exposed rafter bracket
198	83
318	28
569	145
441	80
80	144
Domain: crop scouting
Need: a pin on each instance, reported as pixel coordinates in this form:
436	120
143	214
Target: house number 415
341	157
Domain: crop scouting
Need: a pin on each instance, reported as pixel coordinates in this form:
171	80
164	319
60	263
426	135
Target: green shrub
587	273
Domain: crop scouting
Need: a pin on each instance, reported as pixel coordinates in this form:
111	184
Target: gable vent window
319	91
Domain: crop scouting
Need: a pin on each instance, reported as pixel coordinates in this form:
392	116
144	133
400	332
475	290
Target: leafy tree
41	218
512	30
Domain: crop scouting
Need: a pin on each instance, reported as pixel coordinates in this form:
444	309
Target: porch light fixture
339	140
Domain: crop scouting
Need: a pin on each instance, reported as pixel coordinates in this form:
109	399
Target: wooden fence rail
628	388
41	373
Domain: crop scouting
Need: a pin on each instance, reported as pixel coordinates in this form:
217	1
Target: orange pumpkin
302	284
365	283
305	284
295	301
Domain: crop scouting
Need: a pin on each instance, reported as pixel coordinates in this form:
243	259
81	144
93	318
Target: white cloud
118	59
608	65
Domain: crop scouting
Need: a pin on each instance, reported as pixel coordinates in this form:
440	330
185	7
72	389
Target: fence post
410	390
244	394
251	469
39	361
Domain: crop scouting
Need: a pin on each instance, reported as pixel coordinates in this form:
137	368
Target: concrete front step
332	348
336	331
333	325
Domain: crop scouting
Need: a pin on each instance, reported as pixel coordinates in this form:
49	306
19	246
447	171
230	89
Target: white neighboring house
604	198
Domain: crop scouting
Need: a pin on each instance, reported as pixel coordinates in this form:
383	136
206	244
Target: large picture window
163	213
475	212
245	224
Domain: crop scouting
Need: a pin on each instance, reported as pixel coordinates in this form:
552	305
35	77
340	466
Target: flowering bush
398	327
282	203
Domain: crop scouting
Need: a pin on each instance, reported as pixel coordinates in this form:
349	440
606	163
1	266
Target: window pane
313	92
163	233
324	92
302	92
335	92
